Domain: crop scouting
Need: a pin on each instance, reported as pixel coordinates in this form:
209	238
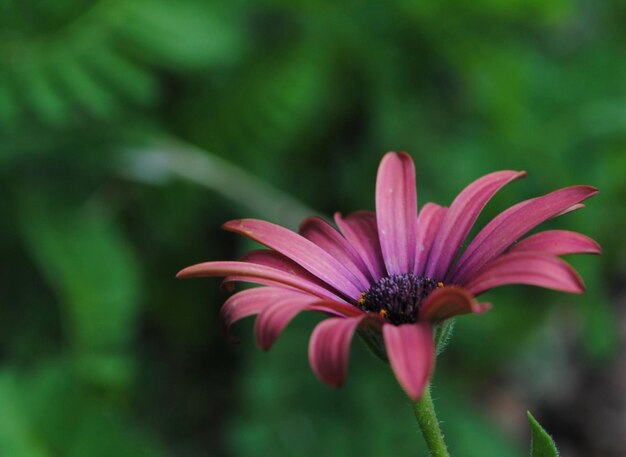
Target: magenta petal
251	301
361	231
325	236
259	274
448	302
396	211
512	224
302	251
329	348
428	222
460	218
273	319
273	259
532	268
558	242
572	208
411	353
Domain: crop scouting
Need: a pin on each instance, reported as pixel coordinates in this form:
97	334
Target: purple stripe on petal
302	251
361	231
460	218
558	242
428	222
512	224
529	268
325	236
448	302
411	353
396	211
329	348
254	273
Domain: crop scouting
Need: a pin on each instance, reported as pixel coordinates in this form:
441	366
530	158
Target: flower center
398	298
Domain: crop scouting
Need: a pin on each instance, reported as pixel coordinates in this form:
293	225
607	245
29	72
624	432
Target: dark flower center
398	298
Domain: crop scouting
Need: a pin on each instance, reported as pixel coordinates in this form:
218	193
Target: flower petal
512	224
302	251
411	353
273	319
532	268
428	222
558	242
448	302
572	208
329	348
251	301
259	274
325	236
396	211
273	259
361	231
460	218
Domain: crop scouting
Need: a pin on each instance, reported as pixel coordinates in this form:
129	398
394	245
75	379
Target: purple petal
572	208
448	302
530	268
329	348
361	231
411	353
273	259
325	236
558	242
252	301
302	251
460	218
428	222
259	274
275	318
512	224
396	211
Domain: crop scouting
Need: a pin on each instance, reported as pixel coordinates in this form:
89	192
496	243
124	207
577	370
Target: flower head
394	272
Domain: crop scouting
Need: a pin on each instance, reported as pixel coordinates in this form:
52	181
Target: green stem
427	419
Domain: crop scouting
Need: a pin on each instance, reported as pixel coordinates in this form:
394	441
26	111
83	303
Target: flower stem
427	419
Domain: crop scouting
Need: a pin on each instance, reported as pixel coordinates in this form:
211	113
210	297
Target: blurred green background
129	131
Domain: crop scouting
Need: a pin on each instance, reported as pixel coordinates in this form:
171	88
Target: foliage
541	444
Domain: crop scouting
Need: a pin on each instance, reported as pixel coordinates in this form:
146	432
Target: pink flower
394	273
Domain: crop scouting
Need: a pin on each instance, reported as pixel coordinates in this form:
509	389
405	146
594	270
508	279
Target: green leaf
44	98
83	87
86	258
18	437
541	444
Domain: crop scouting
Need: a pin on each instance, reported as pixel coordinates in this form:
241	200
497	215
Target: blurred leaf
123	75
183	34
45	99
541	444
17	437
93	56
87	259
83	87
48	411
